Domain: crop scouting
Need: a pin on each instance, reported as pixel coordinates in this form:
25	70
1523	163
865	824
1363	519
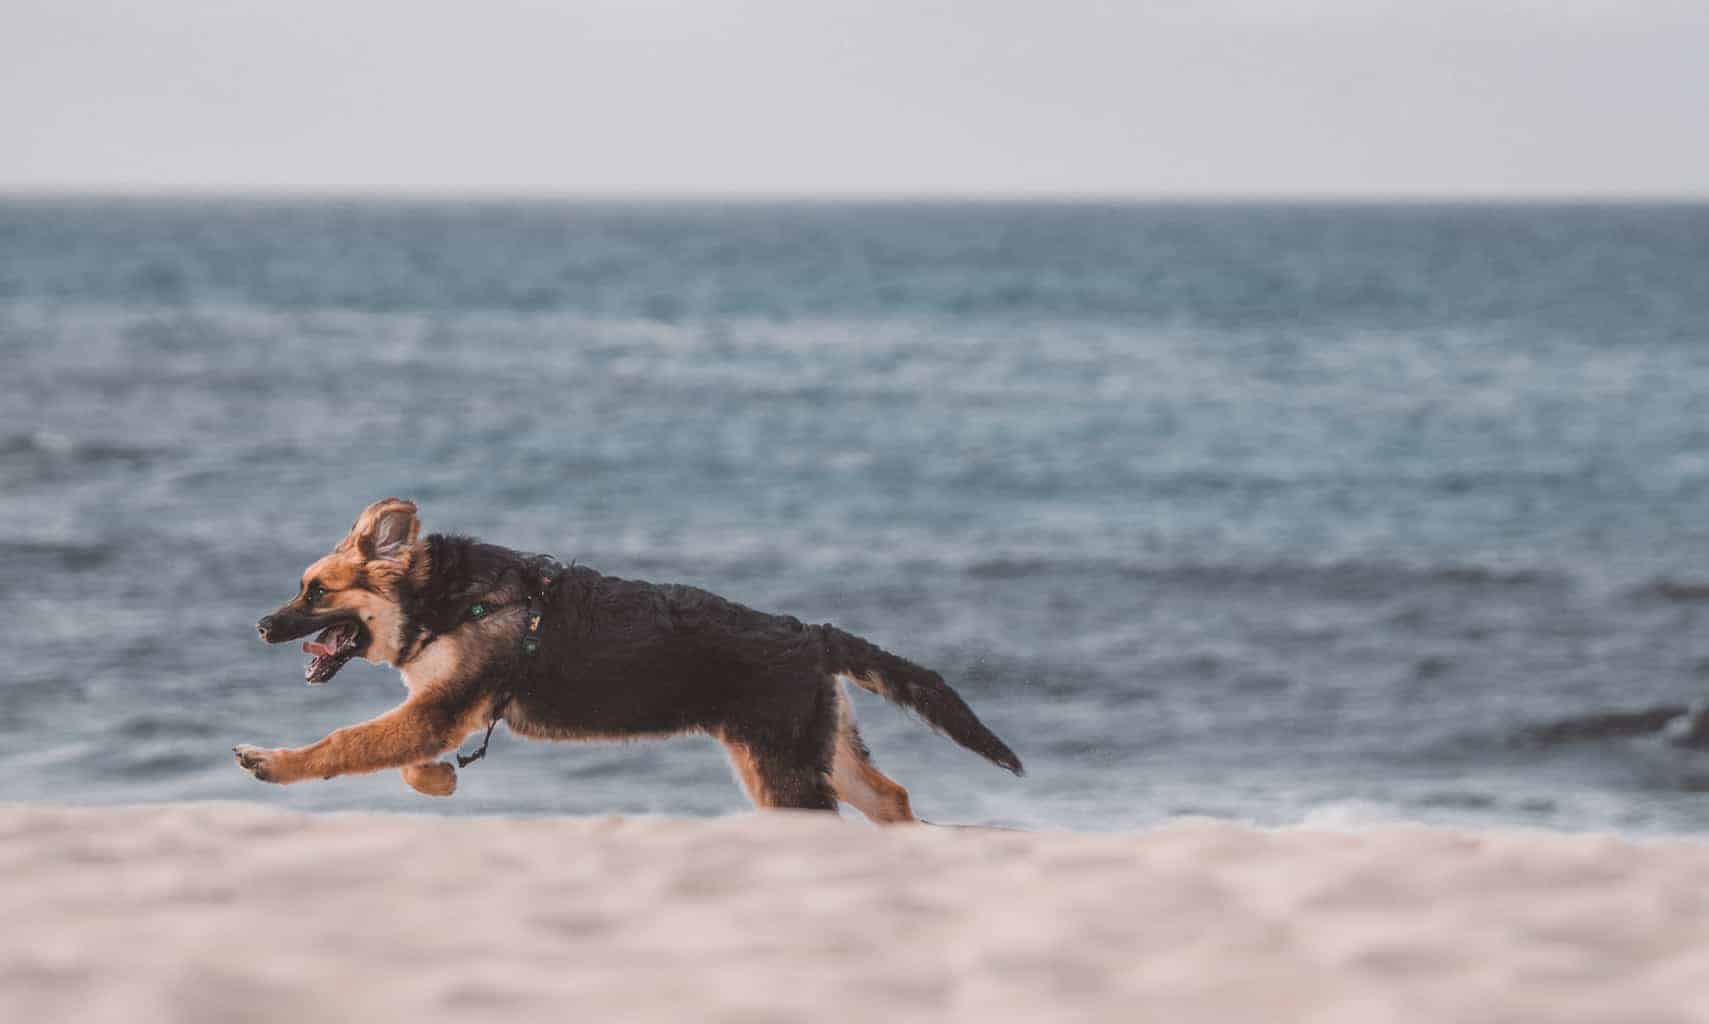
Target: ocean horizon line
758	197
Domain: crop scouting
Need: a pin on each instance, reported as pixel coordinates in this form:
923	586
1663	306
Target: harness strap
541	575
464	762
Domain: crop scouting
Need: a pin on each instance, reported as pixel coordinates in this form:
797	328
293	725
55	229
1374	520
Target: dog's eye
316	591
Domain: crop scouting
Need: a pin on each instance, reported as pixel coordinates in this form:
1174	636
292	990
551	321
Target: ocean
1281	513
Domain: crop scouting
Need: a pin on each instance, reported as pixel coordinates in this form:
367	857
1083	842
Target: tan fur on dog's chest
456	657
438	666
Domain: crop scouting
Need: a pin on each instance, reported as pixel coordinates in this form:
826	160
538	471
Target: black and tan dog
482	633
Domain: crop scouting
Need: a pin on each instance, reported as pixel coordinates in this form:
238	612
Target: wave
1353	578
48	447
1680	724
1672	592
71	557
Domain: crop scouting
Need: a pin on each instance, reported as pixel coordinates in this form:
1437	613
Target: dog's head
352	597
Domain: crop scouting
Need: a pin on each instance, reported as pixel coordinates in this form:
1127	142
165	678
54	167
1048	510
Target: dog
484	634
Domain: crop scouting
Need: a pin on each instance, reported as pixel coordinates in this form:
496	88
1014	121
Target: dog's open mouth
335	645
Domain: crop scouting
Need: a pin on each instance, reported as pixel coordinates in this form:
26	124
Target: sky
976	98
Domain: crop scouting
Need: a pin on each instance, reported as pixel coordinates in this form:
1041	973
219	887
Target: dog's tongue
326	645
329	652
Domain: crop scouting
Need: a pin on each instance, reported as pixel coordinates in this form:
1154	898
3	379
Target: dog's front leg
431	778
416	731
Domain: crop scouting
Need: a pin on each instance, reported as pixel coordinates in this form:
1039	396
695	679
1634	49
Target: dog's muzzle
285	624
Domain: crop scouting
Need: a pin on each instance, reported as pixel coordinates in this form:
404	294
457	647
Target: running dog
484	634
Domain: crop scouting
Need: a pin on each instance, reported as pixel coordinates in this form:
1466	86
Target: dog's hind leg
857	781
775	778
782	750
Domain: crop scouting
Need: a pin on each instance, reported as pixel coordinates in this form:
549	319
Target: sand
240	913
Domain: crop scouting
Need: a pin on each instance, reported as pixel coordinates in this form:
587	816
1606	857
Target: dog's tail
919	689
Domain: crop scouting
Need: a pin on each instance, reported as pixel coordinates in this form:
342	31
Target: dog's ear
385	528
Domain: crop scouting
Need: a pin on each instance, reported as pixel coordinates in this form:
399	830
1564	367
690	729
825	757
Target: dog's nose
265	627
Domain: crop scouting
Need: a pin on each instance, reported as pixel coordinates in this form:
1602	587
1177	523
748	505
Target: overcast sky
975	97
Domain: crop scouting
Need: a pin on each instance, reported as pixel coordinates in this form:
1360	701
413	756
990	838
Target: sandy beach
235	912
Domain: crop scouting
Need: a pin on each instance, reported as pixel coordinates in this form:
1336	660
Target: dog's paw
261	763
434	778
